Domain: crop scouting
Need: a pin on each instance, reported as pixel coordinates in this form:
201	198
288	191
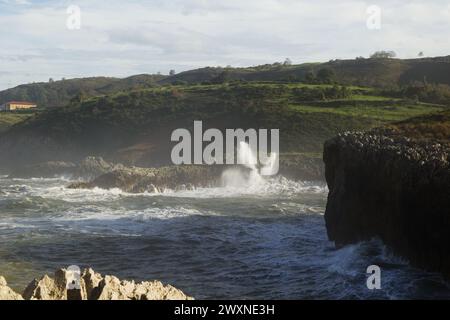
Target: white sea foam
240	187
235	183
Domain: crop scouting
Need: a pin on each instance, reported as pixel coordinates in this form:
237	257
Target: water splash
250	174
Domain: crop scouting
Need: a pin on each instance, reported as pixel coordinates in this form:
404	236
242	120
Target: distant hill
384	73
59	93
364	72
134	127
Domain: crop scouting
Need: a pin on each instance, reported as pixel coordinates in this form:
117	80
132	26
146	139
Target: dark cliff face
394	189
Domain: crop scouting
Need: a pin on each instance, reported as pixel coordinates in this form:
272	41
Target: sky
41	39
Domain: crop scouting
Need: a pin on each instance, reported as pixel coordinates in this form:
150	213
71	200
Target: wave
56	189
278	186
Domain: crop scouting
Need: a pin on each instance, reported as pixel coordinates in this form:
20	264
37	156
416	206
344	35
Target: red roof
21	102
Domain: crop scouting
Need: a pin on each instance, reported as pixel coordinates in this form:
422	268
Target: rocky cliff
394	188
91	286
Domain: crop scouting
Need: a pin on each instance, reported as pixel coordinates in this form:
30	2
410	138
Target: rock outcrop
393	188
139	180
6	293
92	167
91	286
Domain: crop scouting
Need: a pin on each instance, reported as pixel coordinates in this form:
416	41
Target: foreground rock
6	293
139	180
392	188
93	286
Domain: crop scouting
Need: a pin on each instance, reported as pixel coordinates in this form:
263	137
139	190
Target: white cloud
119	38
12	2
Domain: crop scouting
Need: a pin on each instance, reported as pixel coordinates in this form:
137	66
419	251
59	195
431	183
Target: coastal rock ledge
93	286
393	188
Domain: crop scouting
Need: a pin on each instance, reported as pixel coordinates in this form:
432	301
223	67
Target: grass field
307	115
386	113
8	119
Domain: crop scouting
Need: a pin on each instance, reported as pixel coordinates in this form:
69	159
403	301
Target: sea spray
249	174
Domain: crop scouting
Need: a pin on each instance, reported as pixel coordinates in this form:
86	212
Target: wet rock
139	180
394	188
92	167
6	293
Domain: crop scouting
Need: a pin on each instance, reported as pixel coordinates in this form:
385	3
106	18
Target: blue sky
122	38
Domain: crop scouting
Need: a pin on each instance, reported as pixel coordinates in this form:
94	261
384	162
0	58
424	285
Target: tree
51	80
326	75
78	98
421	54
223	77
287	62
383	55
172	72
310	77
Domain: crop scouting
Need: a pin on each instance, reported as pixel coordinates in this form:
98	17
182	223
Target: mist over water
239	178
241	240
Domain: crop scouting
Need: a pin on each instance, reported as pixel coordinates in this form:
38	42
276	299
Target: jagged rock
92	286
90	280
111	288
48	288
139	180
393	188
6	293
92	167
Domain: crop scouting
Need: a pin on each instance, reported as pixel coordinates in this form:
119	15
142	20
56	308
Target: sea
248	238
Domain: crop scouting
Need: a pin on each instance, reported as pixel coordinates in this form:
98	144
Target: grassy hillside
8	119
393	74
431	126
60	93
135	126
365	72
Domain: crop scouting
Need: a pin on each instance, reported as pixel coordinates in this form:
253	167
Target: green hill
365	72
60	93
134	127
381	73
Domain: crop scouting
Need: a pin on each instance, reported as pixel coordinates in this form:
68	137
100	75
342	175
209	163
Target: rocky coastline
95	172
154	180
394	188
92	286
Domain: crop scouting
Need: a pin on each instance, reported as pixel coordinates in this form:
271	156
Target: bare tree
287	62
